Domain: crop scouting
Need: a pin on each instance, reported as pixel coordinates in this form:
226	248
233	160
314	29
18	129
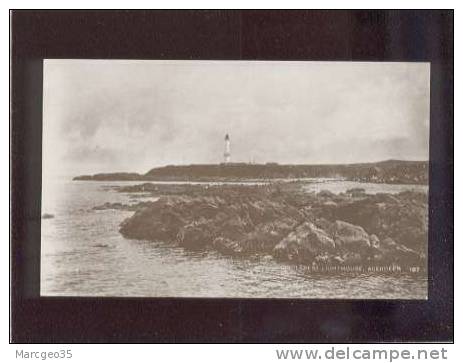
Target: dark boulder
403	217
159	221
194	236
303	244
349	237
393	252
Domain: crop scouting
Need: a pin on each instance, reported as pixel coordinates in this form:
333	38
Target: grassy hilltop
390	171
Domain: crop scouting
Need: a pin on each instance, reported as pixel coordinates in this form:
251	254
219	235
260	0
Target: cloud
103	115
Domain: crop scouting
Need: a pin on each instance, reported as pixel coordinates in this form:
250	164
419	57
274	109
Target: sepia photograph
235	179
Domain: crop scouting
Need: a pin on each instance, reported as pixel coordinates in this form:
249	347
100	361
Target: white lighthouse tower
226	153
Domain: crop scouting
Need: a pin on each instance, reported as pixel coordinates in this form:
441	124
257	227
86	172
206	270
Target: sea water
83	254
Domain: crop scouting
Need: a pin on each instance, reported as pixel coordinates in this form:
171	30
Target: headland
389	171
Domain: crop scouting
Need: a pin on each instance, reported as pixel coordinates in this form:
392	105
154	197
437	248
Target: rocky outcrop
312	229
254	223
402	217
350	237
389	171
110	177
391	252
122	206
304	244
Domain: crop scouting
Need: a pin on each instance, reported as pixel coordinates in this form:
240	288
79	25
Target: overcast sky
107	115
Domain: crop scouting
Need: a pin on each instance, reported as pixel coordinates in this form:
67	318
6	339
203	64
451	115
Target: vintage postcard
235	179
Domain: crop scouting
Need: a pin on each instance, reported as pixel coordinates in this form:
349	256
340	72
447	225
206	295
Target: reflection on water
83	254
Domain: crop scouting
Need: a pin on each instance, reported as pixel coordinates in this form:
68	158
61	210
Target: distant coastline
389	171
349	231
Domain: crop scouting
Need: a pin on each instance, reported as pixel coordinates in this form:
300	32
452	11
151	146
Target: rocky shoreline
351	231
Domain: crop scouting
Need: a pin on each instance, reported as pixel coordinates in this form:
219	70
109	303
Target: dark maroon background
252	35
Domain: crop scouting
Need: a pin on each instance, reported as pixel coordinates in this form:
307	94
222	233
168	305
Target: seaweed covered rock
304	244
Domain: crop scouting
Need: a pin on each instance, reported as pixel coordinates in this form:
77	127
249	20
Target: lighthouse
226	153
